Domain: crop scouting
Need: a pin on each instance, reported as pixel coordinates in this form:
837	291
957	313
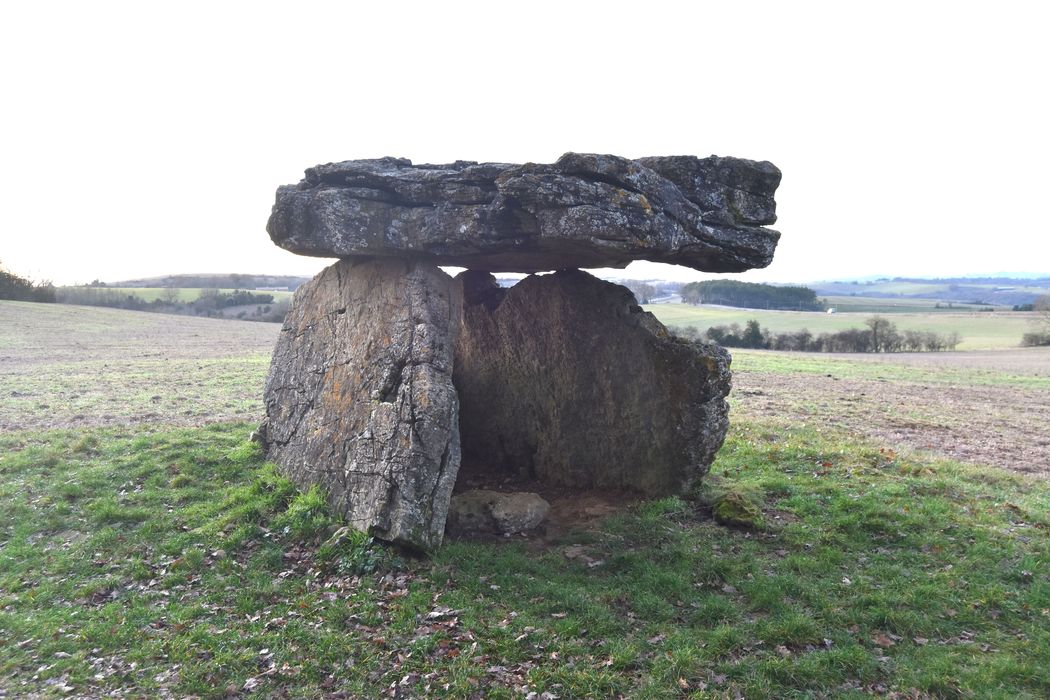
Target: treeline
213	281
880	335
211	302
18	288
1003	281
751	295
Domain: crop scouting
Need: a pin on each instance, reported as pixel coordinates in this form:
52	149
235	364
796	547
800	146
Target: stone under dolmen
391	378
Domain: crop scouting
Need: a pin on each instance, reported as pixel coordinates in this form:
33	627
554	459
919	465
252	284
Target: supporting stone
564	379
360	398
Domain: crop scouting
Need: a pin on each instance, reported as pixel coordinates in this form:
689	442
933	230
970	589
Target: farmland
869	305
1002	291
986	407
985	330
150	294
146	548
79	366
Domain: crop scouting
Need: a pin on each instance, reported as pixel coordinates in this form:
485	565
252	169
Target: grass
869	305
106	392
979	330
138	562
63	366
754	361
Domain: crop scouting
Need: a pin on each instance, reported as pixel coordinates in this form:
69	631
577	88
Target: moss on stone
737	510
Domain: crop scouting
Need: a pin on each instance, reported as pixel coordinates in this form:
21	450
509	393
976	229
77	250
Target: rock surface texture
481	511
388	373
584	210
564	379
360	397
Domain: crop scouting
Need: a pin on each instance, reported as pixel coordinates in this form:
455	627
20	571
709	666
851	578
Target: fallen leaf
882	640
574	551
440	612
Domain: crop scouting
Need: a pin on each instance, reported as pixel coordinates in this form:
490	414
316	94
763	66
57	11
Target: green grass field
847	304
979	330
178	563
846	367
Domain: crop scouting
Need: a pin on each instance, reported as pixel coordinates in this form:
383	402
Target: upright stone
360	397
563	378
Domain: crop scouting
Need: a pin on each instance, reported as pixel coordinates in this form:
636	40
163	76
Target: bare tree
1042	312
883	334
170	294
642	291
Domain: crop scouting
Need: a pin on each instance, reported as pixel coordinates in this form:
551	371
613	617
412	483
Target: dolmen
391	378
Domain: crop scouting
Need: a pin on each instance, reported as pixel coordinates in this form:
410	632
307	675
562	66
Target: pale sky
141	139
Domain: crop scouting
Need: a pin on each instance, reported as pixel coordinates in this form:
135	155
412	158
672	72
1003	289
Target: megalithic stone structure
390	376
582	211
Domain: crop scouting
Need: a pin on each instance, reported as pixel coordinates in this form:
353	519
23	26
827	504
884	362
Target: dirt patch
1003	426
1032	362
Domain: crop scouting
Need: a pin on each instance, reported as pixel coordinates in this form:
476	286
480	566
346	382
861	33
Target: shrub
1035	339
20	289
879	336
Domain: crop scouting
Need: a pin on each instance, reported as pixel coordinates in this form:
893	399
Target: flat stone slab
360	398
585	210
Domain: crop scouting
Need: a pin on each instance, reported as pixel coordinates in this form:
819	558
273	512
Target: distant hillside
214	281
996	291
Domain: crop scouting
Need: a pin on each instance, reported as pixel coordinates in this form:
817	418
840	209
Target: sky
142	139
